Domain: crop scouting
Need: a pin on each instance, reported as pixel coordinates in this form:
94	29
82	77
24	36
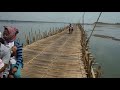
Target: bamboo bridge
59	55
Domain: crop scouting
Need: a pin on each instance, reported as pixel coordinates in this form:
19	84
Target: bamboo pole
29	38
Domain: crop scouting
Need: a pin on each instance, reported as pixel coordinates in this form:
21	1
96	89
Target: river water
106	51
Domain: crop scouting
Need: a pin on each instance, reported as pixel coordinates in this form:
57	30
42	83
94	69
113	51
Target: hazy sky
90	17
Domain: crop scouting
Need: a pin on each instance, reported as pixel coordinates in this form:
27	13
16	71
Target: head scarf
12	33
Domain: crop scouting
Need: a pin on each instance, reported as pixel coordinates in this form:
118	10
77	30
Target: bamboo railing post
35	35
29	38
25	40
87	58
39	34
98	72
31	35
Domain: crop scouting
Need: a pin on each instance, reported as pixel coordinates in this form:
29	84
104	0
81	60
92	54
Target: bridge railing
34	36
92	68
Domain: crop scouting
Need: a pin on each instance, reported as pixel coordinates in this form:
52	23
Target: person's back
1	66
70	28
1	39
5	57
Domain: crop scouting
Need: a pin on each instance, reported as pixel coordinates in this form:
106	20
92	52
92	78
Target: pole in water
93	28
83	19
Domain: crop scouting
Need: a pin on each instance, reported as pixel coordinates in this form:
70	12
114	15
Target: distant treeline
100	23
32	21
60	22
107	23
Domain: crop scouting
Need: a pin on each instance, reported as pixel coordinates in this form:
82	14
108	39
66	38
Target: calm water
106	51
25	28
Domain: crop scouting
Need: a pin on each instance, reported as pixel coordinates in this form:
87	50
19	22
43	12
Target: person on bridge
70	29
16	60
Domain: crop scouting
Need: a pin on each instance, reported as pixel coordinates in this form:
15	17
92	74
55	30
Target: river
106	51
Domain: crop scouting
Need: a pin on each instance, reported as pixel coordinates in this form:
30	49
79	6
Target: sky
72	17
